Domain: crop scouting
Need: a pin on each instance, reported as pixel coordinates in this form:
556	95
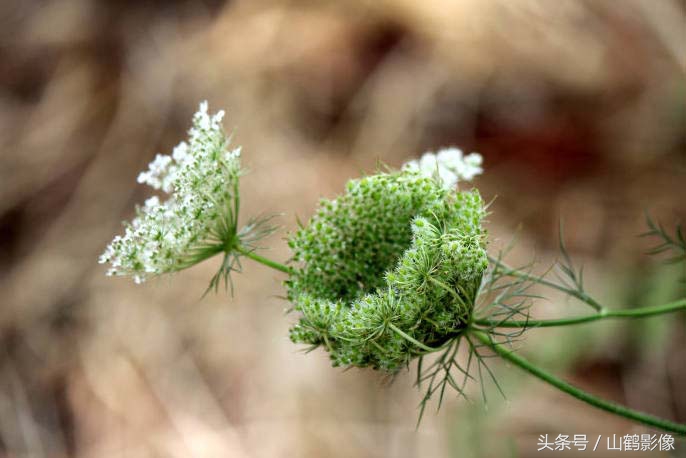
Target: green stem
262	260
578	393
449	290
640	312
582	296
411	339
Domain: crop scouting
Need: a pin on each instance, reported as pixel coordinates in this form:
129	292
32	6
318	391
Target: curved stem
640	312
409	338
582	296
262	260
449	290
617	409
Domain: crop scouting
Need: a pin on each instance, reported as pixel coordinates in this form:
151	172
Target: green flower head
389	270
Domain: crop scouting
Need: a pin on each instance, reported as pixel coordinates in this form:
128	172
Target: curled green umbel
387	271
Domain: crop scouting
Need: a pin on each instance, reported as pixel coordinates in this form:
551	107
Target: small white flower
449	166
151	203
198	217
156	170
180	153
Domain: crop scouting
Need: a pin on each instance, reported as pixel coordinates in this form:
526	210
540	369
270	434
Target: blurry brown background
579	108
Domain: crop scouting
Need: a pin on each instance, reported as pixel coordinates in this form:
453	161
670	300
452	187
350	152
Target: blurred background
578	107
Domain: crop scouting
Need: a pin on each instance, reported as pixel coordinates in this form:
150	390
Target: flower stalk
595	401
604	313
248	253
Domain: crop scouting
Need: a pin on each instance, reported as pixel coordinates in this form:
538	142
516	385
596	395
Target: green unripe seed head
387	269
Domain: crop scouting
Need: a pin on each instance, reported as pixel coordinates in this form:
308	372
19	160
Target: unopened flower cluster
200	179
387	270
448	166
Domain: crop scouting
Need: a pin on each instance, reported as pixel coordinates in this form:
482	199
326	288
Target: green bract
387	271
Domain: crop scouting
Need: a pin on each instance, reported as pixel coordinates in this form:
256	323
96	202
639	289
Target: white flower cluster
449	165
201	178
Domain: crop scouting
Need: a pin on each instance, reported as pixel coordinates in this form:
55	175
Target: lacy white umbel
200	182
